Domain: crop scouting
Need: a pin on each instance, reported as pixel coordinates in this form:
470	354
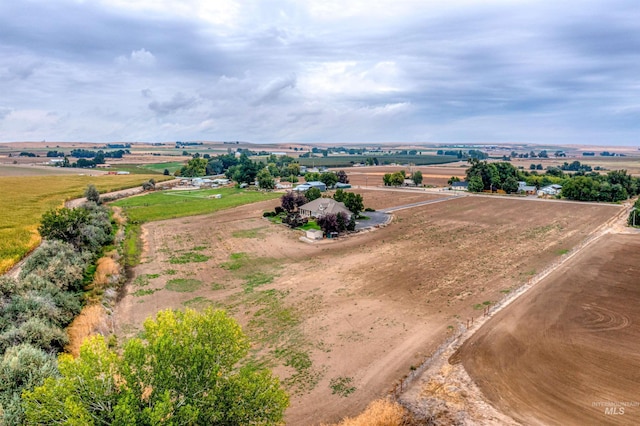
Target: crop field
174	204
148	168
567	351
26	198
341	320
349	160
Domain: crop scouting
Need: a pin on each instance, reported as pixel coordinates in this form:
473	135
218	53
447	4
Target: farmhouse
527	189
460	186
322	206
550	190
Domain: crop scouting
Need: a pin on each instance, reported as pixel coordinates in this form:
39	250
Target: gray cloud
179	102
531	71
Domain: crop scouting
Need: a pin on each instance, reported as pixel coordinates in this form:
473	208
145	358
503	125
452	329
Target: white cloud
139	57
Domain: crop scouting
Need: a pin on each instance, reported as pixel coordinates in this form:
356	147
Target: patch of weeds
141	281
236	261
170	272
144	292
183	285
199	248
562	252
198	303
256	279
293	358
450	328
217	286
342	386
152	276
505	291
478	306
249	233
188	257
487	303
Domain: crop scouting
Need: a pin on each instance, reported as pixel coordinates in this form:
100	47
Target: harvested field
340	321
568	351
432	175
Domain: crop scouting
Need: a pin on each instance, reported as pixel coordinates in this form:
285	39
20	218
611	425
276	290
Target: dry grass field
340	321
26	198
568	351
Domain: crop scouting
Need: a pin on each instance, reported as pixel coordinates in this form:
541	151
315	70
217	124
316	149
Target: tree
354	203
312	176
397	178
475	184
194	168
417	177
292	200
510	185
312	194
265	180
185	371
92	194
342	177
339	195
453	179
328	223
166	172
329	179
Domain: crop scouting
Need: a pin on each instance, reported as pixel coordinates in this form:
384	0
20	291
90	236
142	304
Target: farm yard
342	320
567	351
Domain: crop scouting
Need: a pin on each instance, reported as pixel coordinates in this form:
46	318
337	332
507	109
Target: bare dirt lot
341	321
568	351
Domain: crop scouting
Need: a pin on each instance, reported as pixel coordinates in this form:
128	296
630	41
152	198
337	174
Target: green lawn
172	204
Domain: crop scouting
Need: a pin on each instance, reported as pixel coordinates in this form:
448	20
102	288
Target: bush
36	332
268	214
278	210
92	194
22	367
58	263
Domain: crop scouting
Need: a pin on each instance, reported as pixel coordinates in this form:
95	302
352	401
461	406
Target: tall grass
24	199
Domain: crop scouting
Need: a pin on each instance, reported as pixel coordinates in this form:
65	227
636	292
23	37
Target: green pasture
172	204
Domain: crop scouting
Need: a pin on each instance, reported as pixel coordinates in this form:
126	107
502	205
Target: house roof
325	206
460	184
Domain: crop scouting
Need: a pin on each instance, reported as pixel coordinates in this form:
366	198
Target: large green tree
265	179
195	167
184	371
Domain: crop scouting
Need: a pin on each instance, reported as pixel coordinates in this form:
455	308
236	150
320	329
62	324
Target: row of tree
398	178
615	186
48	294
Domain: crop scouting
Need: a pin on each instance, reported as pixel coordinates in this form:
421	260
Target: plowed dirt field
341	321
568	351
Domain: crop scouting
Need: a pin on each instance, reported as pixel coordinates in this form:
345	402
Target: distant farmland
26	198
350	160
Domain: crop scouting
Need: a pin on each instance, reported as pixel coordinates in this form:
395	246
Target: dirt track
567	350
368	307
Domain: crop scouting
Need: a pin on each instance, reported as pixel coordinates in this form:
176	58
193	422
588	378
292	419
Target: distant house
550	190
323	206
527	189
460	186
409	182
341	185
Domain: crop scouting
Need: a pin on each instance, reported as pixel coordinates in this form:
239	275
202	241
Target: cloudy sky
321	70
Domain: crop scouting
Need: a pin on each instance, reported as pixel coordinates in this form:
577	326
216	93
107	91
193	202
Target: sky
444	71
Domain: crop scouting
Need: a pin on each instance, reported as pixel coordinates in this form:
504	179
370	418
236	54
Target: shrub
92	194
36	332
58	263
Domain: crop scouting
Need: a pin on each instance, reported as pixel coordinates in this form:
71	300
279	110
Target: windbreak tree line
615	186
46	297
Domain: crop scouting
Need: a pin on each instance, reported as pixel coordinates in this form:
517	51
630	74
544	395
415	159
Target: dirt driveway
341	321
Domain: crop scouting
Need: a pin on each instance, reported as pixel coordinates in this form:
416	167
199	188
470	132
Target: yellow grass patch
26	198
89	322
381	412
